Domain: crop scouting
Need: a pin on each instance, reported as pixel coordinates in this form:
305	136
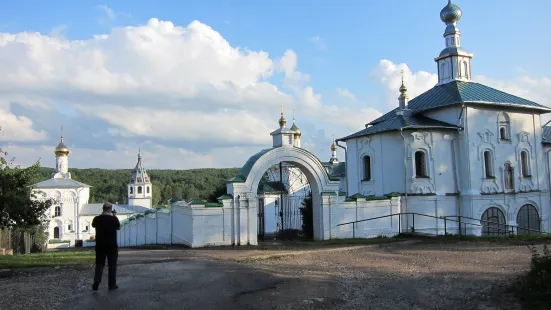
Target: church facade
459	149
71	215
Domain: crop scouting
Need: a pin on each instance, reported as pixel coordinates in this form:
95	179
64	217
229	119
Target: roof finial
293	114
139	151
403	88
282	120
61	133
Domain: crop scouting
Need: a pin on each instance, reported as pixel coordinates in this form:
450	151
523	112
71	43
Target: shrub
534	288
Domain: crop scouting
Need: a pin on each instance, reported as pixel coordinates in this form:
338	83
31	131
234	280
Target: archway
493	222
284	204
244	189
528	220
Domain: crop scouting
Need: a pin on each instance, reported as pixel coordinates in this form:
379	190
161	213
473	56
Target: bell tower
61	160
140	189
454	62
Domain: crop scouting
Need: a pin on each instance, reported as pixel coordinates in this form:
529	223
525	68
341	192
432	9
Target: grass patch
508	239
533	288
49	259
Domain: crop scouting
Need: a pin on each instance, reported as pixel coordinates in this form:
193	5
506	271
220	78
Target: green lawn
49	259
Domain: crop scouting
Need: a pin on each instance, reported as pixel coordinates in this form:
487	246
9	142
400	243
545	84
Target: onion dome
61	149
282	121
333	147
295	128
451	13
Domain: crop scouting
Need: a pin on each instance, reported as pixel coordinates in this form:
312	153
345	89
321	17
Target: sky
199	84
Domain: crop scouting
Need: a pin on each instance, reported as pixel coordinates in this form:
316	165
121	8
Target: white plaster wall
182	232
426	213
343	212
151	229
387	161
484	123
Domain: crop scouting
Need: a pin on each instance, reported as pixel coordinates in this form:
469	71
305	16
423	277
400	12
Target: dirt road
392	276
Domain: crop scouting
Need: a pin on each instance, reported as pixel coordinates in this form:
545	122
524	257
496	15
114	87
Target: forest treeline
111	185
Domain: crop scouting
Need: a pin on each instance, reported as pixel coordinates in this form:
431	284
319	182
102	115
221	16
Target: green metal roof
197	202
459	92
336	170
395	122
213	205
271	187
225	197
244	172
469	92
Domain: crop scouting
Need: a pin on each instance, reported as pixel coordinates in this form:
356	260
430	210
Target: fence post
445	226
354	230
399	223
413	222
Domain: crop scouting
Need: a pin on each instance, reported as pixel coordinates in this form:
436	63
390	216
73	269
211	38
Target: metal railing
490	227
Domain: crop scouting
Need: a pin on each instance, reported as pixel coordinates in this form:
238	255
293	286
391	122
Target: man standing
106	225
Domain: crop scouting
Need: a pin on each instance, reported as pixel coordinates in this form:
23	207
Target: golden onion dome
333	147
295	129
61	149
282	121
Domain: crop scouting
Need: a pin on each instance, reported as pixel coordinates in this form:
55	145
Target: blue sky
355	34
337	43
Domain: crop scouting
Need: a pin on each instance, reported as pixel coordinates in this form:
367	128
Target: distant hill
111	185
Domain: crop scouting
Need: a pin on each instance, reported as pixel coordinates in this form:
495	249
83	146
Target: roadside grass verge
69	257
506	239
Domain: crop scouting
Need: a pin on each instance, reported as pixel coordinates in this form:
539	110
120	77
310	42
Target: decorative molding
524	143
486	137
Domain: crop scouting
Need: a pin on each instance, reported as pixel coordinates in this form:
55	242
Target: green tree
19	205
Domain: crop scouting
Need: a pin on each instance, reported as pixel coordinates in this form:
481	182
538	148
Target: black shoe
114	287
95	286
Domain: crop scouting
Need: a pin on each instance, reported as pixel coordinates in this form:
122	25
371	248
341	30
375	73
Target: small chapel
461	149
71	215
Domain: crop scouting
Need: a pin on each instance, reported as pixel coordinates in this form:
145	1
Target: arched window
488	168
465	69
504	126
57	211
493	222
528	220
56	232
524	164
147	188
131	190
502	133
420	165
139	189
367	168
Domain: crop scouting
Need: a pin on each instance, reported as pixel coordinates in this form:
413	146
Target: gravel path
392	276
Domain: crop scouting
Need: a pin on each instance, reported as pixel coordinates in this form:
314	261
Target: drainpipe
405	174
345	165
456	164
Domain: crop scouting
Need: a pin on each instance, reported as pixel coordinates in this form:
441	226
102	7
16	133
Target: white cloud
108	11
186	89
18	128
318	42
345	93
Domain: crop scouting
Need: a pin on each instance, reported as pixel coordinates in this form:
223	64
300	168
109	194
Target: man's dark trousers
111	253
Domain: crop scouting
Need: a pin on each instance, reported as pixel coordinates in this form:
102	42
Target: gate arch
244	186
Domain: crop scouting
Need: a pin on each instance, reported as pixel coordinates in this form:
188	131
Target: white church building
459	149
71	215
